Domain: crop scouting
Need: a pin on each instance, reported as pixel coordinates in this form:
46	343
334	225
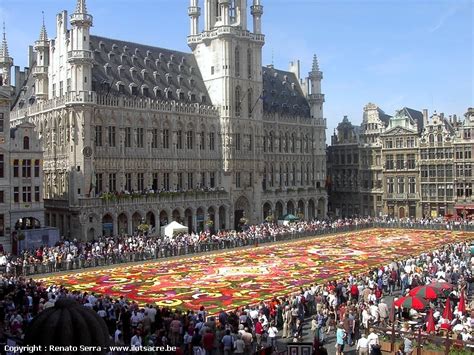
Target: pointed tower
229	57
6	62
40	71
80	55
194	11
315	97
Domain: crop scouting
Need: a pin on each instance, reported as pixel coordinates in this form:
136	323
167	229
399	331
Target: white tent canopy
172	229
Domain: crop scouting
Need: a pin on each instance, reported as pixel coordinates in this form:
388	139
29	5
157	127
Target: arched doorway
163	218
136	221
91	234
150	220
267	210
301	211
122	223
177	216
200	219
241	212
311	209
401	212
211	215
290	208
188	219
107	225
278	210
222	217
321	208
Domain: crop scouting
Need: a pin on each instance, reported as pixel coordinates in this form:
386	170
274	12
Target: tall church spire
4	50
6	62
315	64
43	34
81	7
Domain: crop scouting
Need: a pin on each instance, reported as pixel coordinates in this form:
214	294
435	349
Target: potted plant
432	349
270	218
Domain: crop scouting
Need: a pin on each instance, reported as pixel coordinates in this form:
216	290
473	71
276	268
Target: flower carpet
231	279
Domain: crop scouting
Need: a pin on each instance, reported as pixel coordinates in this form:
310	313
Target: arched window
270	143
237	62
237	101
249	63
26	142
440	138
250	101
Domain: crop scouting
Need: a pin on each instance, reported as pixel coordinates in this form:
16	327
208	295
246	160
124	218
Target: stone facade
401	166
134	133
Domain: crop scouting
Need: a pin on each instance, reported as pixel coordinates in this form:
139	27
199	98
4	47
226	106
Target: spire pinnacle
315	63
4	49
43	34
81	7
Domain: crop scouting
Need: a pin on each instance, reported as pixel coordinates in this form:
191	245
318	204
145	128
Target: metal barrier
163	252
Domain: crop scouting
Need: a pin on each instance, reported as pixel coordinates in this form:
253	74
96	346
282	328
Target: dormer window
156	75
158	92
192	97
203	99
170	65
120	69
157	63
121	87
111	55
180	79
169	94
183	60
133	72
192	82
181	95
134	59
144	74
146	62
101	45
123	58
107	69
125	49
168	78
114	47
137	51
145	91
134	89
181	67
161	56
148	53
172	58
191	70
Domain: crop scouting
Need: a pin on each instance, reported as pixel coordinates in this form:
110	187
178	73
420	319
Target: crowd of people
346	309
68	255
106	250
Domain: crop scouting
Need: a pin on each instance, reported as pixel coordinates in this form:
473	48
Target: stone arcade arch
136	221
222	217
290	207
176	216
311	209
321	208
241	210
188	219
200	219
150	219
122	222
278	210
301	209
163	218
267	210
107	225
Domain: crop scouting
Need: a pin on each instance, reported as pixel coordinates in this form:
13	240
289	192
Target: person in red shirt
354	292
259	332
208	341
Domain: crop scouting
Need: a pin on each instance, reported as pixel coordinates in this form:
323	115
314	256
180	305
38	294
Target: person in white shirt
373	339
272	333
136	340
362	346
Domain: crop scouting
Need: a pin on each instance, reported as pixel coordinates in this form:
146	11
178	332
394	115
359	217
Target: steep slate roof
416	116
26	95
282	93
383	116
165	70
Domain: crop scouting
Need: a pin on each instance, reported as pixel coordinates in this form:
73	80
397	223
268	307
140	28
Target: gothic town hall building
137	134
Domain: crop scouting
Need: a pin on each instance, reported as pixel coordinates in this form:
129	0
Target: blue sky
395	53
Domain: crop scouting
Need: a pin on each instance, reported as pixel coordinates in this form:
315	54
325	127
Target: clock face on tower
87	151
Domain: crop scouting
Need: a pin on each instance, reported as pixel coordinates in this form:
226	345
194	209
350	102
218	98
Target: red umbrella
427	292
430	322
411	302
448	312
441	285
462	303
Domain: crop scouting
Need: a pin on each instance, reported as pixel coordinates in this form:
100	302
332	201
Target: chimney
425	117
441	115
455	119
